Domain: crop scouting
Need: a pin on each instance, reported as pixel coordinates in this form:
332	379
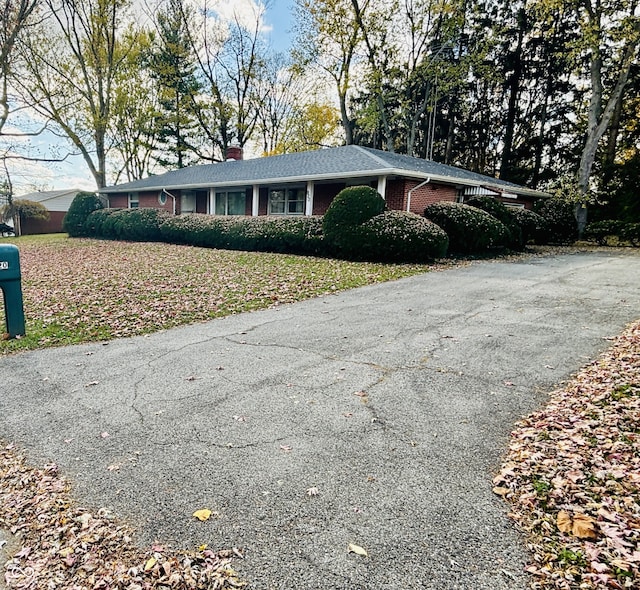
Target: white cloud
246	12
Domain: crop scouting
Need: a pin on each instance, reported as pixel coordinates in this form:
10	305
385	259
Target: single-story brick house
56	202
305	184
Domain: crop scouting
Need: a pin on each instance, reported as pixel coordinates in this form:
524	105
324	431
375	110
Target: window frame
133	200
300	196
224	194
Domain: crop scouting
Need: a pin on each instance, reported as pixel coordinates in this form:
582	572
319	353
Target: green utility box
11	286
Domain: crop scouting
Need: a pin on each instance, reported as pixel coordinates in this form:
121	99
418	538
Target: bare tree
69	71
15	16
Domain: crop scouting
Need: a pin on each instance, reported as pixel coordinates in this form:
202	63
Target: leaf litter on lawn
572	476
65	547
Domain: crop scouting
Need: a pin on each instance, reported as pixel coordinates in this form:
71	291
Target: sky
74	173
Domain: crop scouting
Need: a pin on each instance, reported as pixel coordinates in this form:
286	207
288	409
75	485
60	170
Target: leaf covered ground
78	290
572	476
62	546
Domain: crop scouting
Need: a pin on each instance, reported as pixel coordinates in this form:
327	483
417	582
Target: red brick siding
39	226
428	194
323	194
396	197
119	201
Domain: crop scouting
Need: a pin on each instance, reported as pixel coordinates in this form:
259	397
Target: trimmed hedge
400	236
470	230
137	225
81	207
296	235
503	214
351	207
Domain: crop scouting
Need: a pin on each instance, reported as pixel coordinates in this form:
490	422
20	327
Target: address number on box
4	265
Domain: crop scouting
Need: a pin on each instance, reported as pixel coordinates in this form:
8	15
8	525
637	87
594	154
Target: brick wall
118	201
395	197
323	194
428	194
39	226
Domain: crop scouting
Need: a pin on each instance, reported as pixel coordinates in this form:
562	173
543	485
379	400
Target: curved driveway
393	401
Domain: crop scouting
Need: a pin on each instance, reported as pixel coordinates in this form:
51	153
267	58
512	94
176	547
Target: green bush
470	230
94	224
296	235
351	207
631	233
400	236
503	214
599	231
81	207
533	226
562	227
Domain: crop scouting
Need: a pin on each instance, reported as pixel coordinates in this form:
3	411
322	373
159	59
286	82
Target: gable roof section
53	200
346	162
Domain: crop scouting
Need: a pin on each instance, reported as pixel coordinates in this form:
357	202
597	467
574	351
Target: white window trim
133	200
287	191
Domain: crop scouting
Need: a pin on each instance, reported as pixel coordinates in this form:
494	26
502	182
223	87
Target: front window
230	203
134	200
287	201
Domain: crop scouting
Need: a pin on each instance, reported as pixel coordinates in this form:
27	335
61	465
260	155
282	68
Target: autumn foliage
572	476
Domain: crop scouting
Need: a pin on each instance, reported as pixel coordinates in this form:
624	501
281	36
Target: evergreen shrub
470	229
503	214
295	235
94	224
599	231
351	207
562	227
400	236
631	233
81	207
533	226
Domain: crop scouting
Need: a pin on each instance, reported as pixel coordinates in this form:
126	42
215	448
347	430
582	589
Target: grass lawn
81	290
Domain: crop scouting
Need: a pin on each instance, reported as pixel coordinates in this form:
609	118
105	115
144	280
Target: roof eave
523	191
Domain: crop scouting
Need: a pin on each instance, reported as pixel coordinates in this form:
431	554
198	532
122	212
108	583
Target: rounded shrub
81	207
503	214
533	226
470	229
400	236
351	207
562	227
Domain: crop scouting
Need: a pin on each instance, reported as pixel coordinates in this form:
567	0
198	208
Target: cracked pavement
395	401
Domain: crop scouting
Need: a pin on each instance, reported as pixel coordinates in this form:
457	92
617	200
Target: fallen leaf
150	563
285	448
91	383
584	527
357	550
564	521
203	514
501	491
312	491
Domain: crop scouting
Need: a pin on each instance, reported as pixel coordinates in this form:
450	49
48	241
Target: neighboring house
305	184
56	202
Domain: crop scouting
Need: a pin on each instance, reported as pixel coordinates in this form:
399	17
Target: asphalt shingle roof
326	164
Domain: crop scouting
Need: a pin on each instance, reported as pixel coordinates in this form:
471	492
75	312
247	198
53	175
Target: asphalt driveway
393	402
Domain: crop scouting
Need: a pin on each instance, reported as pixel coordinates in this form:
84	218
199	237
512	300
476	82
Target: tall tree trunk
514	94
